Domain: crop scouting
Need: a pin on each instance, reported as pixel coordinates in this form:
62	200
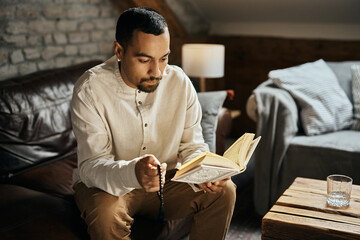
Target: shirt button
145	124
140	102
144	148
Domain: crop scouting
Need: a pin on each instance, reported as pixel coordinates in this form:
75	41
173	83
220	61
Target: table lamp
203	61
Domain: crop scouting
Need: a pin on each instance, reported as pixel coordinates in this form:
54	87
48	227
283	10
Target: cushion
342	72
211	103
324	106
355	70
54	177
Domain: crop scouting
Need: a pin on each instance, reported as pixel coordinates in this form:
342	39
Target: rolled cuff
129	178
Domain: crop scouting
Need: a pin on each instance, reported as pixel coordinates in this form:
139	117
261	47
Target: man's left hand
213	187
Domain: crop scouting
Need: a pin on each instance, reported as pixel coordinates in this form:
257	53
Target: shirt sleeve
97	166
192	141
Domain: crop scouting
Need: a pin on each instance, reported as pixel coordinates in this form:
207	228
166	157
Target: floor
246	224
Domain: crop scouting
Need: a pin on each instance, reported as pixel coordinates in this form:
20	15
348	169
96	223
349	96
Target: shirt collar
123	86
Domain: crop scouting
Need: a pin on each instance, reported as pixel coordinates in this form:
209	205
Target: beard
149	88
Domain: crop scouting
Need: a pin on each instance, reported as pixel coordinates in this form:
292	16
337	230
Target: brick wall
44	34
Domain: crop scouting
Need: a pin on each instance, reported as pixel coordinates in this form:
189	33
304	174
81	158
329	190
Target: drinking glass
338	190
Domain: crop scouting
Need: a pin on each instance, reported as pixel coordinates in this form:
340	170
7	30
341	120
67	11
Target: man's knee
105	222
229	193
224	200
105	215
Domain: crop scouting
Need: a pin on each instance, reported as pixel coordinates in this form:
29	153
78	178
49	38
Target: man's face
144	60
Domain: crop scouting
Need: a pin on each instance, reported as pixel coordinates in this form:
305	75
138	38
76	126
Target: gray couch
285	152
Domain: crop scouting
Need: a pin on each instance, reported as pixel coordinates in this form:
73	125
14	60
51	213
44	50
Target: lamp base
202	84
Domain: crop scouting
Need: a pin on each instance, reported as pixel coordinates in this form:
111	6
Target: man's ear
119	50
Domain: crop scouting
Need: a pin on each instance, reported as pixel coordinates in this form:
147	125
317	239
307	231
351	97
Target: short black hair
143	19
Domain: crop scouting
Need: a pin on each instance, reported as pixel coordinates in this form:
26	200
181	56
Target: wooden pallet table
302	213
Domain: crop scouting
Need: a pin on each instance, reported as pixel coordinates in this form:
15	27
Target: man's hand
213	187
147	173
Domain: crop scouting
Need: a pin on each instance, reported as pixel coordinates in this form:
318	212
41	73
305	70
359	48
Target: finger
151	160
211	189
152	165
152	184
202	186
208	189
205	186
151	171
216	188
163	167
220	183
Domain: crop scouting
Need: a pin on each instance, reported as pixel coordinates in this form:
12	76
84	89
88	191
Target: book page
238	151
219	161
193	162
251	150
205	173
207	158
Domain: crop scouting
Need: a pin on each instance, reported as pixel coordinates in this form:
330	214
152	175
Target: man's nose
155	70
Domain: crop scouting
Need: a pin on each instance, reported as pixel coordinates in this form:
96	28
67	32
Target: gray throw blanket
277	125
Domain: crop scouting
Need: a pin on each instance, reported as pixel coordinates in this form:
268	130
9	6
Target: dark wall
249	59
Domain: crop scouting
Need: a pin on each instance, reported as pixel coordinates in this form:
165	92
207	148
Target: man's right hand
147	173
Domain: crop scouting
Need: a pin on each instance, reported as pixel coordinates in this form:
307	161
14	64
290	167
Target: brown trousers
110	217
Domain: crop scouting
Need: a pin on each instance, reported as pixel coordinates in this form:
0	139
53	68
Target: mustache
150	79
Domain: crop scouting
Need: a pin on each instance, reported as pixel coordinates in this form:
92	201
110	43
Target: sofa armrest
282	102
251	108
223	129
277	123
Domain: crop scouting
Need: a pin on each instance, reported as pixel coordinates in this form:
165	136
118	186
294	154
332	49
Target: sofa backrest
343	74
35	124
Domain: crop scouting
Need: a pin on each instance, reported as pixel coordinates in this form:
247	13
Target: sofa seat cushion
54	177
29	214
319	156
322	155
345	141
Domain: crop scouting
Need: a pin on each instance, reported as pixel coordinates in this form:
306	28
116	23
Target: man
131	114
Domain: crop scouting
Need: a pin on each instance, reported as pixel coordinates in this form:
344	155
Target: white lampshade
203	60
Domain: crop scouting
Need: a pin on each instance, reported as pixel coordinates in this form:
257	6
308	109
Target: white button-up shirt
115	125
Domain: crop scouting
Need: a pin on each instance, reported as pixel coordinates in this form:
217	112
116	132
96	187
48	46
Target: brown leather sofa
38	154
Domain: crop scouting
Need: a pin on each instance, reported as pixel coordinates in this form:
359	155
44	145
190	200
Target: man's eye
164	59
144	61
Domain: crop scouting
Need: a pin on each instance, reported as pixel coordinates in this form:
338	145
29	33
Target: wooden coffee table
302	213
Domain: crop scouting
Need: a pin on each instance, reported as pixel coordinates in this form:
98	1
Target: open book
211	167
